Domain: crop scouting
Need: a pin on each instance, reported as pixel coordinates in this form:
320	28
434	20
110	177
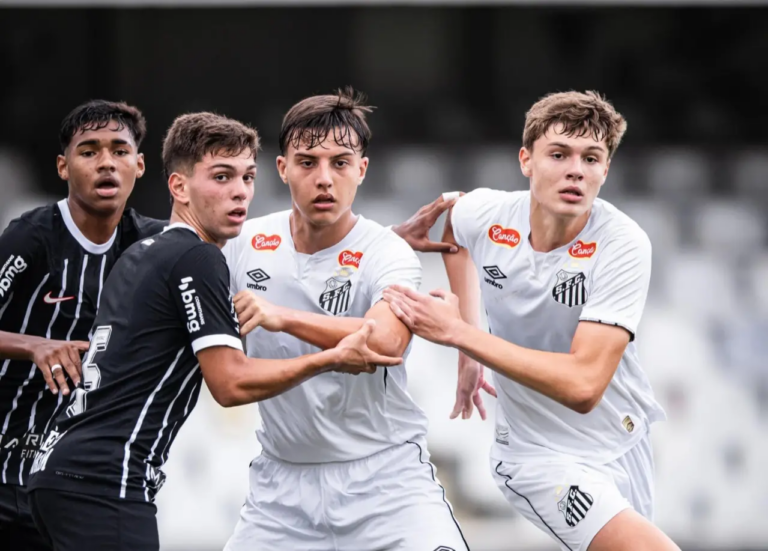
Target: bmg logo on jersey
12	267
195	319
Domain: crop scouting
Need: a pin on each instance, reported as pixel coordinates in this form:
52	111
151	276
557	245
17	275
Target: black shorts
81	522
17	529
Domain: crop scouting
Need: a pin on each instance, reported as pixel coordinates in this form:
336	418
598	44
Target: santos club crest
569	289
335	299
575	505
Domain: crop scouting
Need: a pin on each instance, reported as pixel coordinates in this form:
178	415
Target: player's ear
363	169
525	162
62	168
282	164
177	185
140	166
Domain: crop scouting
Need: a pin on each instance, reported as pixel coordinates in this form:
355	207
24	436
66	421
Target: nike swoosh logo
48	299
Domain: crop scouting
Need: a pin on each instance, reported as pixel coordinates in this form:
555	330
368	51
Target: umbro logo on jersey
336	297
13	266
261	242
582	250
495	273
348	258
506	237
258	275
48	299
569	289
575	505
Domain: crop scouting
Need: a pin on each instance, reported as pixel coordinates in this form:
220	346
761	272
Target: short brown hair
312	119
580	113
192	136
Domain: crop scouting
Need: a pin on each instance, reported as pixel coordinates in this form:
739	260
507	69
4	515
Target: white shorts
572	501
388	501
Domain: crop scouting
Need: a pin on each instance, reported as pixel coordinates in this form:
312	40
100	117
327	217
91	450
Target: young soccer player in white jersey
564	278
344	465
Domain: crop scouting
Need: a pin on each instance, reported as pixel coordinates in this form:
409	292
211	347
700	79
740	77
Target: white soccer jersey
333	416
536	300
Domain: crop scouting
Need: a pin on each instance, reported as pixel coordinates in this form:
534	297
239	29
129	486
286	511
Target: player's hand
355	357
53	358
253	312
471	381
415	230
434	317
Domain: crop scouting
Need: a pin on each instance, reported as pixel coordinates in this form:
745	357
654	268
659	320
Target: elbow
225	397
584	399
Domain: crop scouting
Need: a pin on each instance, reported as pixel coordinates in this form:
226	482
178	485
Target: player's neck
97	228
179	216
550	232
309	238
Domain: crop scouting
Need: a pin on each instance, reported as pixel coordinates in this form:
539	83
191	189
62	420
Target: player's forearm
18	347
325	331
558	376
464	283
263	379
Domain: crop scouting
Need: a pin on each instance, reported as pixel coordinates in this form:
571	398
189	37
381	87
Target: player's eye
342	163
248	178
591	160
306	164
557	155
88	153
221	177
121	152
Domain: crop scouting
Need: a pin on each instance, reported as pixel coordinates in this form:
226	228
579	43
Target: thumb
367	328
439	293
438	247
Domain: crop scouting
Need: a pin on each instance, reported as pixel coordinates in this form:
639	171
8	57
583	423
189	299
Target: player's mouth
324	201
107	187
571	194
237	216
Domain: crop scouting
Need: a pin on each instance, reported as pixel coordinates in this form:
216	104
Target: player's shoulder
40	220
483	202
382	240
611	224
141	226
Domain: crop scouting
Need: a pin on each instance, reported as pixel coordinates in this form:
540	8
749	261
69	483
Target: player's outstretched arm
464	282
390	336
415	230
234	379
577	379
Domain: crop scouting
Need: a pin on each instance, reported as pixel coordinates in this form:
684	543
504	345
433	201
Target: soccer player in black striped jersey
165	324
53	264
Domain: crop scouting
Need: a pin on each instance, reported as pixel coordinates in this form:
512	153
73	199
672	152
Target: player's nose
106	161
323	177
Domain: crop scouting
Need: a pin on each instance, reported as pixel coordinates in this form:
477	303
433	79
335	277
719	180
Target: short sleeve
21	247
620	281
468	215
231	252
200	286
394	264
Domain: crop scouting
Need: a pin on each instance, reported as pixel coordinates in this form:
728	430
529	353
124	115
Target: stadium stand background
452	86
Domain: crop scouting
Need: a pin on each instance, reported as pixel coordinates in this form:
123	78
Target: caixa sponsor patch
192	308
12	267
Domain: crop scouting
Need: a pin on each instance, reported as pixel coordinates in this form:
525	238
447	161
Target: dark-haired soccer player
53	263
165	324
345	464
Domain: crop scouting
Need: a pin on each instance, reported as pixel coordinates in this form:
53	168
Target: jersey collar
181	225
84	242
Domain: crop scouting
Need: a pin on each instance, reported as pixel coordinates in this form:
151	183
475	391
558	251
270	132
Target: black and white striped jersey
51	279
167	298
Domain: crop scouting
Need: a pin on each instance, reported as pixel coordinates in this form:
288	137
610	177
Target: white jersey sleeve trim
216	340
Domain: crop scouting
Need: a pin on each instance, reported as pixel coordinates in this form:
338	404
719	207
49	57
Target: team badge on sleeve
575	505
569	289
336	297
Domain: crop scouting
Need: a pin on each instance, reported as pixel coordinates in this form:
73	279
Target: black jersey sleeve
200	286
21	248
